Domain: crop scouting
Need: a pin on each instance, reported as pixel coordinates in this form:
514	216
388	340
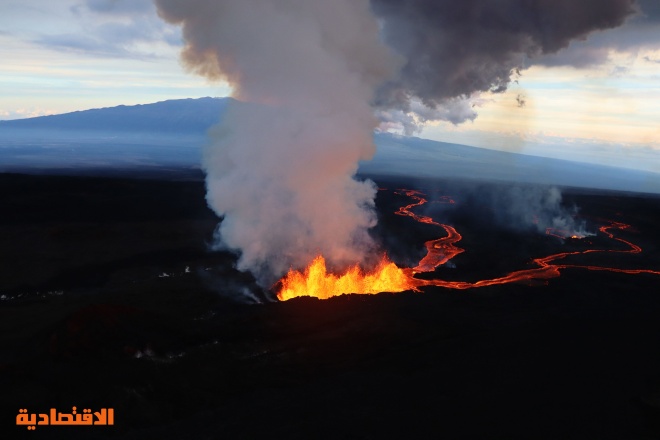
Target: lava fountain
317	282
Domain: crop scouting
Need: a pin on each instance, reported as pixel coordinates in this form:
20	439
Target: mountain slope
172	133
180	115
409	156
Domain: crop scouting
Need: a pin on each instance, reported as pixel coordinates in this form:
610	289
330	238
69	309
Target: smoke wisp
517	207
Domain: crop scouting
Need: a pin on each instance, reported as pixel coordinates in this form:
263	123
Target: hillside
410	156
173	116
171	134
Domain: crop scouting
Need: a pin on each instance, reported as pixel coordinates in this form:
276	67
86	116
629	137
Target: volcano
110	298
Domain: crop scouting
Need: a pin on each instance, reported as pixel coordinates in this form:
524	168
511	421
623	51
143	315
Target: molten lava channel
315	280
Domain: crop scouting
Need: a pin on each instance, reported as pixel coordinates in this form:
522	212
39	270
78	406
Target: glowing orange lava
316	281
387	277
439	251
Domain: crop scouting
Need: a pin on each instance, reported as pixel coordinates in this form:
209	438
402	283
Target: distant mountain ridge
173	116
411	156
171	134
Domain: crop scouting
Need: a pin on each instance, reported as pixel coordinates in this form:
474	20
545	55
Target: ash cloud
458	48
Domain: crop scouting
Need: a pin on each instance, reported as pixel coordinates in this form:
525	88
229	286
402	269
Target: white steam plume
280	170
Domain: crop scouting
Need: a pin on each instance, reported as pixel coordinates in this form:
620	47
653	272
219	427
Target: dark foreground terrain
109	298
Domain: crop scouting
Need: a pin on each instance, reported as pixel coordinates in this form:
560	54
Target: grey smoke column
454	48
280	169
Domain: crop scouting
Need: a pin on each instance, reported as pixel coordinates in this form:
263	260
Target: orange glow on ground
387	277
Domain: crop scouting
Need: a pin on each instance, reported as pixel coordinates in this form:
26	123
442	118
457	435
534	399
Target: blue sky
66	55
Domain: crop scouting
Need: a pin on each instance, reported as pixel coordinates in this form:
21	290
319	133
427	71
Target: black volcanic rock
110	329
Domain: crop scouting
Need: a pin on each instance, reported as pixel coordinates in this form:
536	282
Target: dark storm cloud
455	48
632	37
580	55
641	31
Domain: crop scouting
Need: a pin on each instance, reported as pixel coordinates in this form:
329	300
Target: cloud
115	29
649	10
639	32
82	44
409	122
120	7
455	48
139	29
579	54
458	49
22	113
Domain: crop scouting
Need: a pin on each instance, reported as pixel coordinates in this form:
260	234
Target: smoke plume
516	207
280	169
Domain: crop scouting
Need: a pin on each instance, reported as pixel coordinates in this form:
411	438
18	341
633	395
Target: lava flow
439	251
387	277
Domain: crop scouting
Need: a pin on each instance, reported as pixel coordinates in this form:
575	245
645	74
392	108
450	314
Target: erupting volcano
315	281
313	79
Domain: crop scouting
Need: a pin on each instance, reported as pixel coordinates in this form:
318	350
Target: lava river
387	277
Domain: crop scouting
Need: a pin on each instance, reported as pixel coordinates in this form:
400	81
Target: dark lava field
110	297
